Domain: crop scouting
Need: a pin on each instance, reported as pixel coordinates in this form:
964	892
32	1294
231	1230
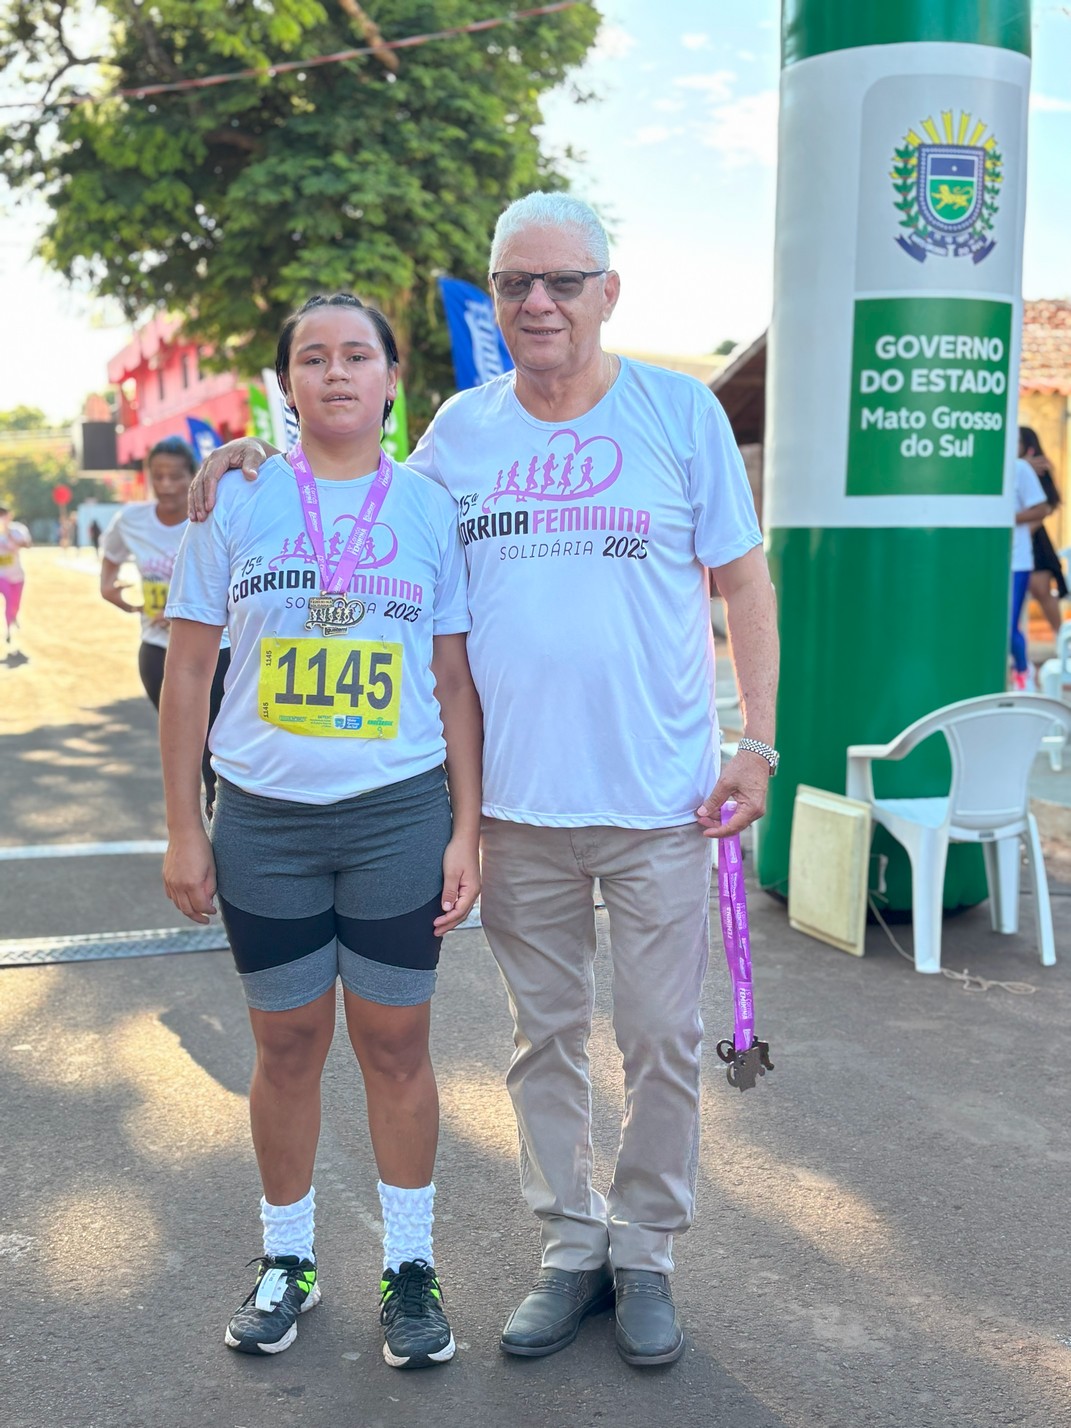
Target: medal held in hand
746	1057
334	612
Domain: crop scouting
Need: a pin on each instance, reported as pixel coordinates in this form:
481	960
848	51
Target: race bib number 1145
331	688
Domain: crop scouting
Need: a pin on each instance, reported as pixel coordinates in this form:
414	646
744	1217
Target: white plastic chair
1055	682
993	742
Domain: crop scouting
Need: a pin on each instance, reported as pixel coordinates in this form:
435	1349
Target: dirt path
81	653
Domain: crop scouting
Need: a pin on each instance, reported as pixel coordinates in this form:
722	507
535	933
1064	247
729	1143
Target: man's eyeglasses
559	286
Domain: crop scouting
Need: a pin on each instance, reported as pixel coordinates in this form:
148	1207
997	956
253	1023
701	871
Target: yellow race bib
331	688
7	558
153	598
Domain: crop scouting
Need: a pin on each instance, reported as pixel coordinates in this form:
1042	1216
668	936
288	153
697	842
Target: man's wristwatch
756	746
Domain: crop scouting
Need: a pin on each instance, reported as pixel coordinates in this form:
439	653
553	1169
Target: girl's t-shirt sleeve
201	577
451	616
113	544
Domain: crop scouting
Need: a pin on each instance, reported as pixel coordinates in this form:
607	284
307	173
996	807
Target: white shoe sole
441	1356
288	1338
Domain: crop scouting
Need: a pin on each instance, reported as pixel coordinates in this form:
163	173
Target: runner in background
14	538
149	533
341	578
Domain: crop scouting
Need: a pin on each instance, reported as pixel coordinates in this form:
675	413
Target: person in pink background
14	538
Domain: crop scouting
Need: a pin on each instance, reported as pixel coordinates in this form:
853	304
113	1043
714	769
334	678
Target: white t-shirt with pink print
137	533
587	542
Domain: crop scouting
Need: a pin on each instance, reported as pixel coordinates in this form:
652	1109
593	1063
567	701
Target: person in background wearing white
149	533
1031	508
14	538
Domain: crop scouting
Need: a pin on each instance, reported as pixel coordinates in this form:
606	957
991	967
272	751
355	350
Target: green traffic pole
893	359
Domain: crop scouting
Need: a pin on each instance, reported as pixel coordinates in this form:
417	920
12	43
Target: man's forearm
751	621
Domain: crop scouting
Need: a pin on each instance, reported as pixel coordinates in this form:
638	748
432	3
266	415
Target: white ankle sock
407	1220
289	1229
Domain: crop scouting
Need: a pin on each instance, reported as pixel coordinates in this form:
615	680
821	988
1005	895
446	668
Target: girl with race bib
149	534
340	848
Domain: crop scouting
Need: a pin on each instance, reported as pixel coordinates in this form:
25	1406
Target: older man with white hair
594	493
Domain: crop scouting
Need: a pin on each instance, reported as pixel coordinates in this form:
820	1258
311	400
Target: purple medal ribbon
745	1056
732	904
335	582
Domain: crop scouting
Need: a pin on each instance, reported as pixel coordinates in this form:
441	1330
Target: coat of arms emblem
947	187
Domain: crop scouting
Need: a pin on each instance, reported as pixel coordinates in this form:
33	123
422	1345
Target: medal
333	611
334	614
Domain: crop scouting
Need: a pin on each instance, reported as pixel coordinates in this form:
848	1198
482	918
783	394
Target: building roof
741	388
1046	361
146	344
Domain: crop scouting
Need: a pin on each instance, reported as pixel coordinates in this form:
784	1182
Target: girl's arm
189	868
463	726
111	589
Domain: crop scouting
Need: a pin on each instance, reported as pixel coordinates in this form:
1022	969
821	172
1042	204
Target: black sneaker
267	1322
417	1334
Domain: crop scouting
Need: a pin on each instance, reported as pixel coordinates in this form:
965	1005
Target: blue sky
681	161
679	156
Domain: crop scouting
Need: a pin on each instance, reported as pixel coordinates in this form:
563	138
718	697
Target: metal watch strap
767	751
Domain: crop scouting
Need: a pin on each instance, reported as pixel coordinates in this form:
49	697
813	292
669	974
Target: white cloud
716	86
613	42
1050	104
695	42
668	106
743	131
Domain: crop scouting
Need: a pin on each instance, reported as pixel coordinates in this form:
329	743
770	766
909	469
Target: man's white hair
552	210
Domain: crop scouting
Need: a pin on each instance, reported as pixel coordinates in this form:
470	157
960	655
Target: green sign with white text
929	397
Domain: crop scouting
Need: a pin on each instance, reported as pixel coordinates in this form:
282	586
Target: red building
160	384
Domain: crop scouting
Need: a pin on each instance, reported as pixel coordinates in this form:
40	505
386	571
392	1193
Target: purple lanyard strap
336	581
746	1057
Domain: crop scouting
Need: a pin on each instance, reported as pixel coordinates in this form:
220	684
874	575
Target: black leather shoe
648	1330
550	1314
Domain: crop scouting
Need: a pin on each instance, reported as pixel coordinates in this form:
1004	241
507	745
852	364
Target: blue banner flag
204	438
478	350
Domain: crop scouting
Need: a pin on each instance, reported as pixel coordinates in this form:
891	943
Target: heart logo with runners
570	470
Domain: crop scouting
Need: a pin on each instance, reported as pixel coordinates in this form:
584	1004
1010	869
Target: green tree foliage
724	348
23	419
232	203
27	483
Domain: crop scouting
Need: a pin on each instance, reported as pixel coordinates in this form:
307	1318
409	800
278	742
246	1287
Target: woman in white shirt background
149	534
1031	508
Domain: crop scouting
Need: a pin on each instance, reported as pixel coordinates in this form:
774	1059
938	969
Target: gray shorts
310	892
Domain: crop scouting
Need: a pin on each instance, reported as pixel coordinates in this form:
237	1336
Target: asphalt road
882	1230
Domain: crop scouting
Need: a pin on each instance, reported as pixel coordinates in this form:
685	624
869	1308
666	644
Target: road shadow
131	1174
877	1224
97	780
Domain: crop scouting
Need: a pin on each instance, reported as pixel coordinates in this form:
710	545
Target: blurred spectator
1047	583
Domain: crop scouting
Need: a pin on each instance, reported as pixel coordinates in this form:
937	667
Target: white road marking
81	850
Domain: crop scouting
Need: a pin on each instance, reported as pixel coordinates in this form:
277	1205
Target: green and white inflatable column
893	358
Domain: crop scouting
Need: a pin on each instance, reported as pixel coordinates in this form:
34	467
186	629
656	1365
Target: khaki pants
538	913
